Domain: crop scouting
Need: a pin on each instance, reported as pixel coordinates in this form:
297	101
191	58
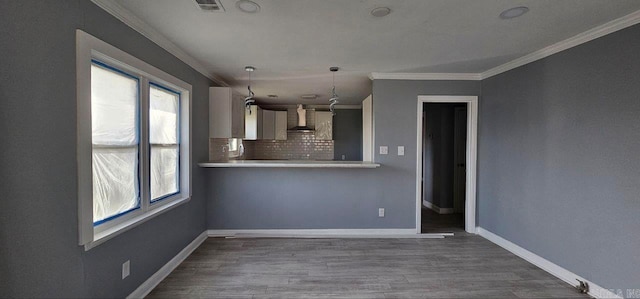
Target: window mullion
145	193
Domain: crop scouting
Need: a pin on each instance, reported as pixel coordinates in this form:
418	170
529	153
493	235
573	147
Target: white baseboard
145	288
437	209
555	270
323	233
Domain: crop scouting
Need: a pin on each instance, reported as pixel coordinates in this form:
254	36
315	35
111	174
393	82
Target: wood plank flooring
465	266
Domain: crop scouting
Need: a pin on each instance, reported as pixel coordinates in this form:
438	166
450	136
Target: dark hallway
444	171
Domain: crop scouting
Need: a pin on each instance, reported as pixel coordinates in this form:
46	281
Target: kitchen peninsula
288	164
284	136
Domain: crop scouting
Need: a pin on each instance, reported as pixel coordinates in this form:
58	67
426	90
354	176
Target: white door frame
472	148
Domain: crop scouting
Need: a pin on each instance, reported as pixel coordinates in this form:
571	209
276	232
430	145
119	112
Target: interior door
459	158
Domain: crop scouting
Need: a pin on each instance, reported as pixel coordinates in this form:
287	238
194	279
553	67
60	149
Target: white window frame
88	48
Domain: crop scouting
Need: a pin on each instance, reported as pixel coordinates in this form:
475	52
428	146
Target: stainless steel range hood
302	121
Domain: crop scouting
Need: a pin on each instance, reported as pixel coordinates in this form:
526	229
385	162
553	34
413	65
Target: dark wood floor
464	266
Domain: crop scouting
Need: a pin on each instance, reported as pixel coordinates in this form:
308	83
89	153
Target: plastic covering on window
164	171
115	181
163	136
114	102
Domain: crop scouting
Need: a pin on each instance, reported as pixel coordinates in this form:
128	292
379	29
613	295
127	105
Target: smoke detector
210	5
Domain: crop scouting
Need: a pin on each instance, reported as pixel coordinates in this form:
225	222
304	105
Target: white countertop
289	164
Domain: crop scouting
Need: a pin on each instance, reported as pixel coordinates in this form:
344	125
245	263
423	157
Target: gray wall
336	198
438	154
347	134
39	255
558	159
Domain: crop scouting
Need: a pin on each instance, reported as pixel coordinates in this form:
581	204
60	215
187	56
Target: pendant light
248	101
334	97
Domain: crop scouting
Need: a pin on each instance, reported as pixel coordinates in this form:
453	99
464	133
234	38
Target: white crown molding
546	265
426	76
589	35
581	38
127	17
143	28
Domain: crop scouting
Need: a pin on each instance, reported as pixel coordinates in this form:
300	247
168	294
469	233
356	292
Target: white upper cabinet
324	125
226	113
281	125
367	129
253	123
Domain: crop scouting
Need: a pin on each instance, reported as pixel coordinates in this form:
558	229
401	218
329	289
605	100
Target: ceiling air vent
210	5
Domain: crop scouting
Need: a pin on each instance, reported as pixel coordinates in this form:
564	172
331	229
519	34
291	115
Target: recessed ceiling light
249	68
248	6
309	96
380	11
273	95
514	12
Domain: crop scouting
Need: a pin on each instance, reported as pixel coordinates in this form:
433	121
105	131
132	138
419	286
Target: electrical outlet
381	212
400	150
126	267
384	150
344	157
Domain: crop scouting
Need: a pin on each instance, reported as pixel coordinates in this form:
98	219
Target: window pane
114	101
115	181
164	140
163	116
164	170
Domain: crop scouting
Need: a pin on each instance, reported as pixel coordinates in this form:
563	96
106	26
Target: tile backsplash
298	146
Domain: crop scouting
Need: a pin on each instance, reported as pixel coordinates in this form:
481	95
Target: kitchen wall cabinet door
253	123
268	124
237	116
324	125
281	125
226	113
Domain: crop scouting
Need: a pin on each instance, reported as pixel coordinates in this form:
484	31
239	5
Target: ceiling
292	43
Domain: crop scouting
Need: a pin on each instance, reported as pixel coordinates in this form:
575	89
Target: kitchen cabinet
274	125
268	124
226	113
367	129
253	123
281	125
324	125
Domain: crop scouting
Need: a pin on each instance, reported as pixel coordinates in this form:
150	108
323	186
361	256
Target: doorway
443	167
446	164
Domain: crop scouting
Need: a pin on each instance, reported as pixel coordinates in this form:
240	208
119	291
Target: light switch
401	150
126	268
384	150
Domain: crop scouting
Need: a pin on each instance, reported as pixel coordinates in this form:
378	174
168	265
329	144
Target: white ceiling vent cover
210	5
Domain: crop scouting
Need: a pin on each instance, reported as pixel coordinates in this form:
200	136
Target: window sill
133	222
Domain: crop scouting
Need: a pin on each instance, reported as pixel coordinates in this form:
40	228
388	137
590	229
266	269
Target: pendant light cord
249	100
334	97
